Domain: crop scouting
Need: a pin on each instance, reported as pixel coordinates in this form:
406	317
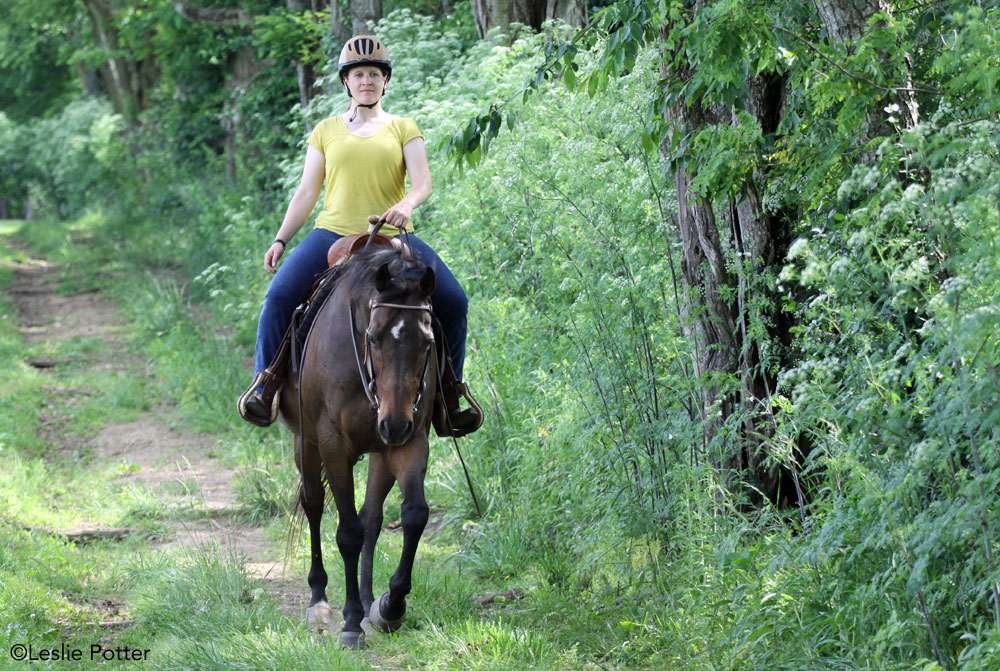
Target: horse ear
383	278
427	281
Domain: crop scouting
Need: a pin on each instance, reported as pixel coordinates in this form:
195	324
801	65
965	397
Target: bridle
366	368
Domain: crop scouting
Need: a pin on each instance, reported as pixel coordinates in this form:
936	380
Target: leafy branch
627	28
888	89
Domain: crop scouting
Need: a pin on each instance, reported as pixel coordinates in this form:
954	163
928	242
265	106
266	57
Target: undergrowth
610	519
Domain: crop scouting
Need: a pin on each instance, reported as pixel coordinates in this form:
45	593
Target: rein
366	370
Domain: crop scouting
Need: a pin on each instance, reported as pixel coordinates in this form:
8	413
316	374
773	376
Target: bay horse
368	384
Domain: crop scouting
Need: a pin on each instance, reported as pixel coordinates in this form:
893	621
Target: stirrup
473	416
261	408
448	420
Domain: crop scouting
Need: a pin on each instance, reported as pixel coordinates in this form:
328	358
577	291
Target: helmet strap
354	114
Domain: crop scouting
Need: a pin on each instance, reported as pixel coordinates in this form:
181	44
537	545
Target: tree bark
492	13
845	20
573	12
337	25
304	74
363	12
719	297
235	16
115	69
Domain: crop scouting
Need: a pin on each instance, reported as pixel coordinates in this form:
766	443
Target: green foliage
85	137
605	502
36	78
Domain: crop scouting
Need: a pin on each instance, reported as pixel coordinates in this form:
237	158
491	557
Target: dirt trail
176	464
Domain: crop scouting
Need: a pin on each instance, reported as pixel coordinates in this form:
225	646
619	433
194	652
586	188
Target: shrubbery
592	463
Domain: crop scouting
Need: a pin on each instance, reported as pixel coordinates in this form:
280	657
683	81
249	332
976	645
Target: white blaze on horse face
397	329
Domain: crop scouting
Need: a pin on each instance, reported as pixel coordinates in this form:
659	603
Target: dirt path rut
174	463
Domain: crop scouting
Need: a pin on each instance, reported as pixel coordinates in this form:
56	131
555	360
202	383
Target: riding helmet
365	50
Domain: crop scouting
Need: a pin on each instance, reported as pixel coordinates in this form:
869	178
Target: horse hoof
353	640
318	618
380	623
366	625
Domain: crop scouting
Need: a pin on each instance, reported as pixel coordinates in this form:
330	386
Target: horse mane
359	276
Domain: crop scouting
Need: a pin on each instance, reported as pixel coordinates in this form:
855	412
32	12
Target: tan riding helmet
365	50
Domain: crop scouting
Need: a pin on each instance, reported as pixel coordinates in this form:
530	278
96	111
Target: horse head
399	348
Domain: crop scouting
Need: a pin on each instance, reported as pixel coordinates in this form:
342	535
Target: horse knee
413	516
312	504
371	518
350	536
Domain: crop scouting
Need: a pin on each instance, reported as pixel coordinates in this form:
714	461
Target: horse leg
350	537
311	493
387	613
380	481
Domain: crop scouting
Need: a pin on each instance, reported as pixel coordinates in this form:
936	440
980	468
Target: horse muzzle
395	429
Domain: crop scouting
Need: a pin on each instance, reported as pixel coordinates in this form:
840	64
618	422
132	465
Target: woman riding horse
365	155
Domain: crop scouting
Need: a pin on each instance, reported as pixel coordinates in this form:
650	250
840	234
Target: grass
199	608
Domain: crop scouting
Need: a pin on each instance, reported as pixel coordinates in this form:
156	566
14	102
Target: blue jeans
295	277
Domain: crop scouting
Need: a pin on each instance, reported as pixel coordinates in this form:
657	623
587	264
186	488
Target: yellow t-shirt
364	175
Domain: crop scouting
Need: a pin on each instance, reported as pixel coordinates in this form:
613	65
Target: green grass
199	608
593	603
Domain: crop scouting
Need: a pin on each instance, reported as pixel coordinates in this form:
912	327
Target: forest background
733	274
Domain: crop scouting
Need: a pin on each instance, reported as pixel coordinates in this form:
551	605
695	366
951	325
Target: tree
128	75
492	13
37	38
757	119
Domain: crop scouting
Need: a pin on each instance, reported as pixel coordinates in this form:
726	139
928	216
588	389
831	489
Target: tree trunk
573	12
708	320
845	22
337	26
304	74
719	300
483	15
492	13
761	241
719	297
364	12
116	71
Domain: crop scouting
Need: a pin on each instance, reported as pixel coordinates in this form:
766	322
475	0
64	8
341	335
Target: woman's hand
398	215
274	252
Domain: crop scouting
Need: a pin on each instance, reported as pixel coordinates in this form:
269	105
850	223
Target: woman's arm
300	207
415	158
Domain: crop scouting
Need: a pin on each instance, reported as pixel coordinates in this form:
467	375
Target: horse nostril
395	431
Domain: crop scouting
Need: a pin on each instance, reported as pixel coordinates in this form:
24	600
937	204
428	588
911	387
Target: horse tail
296	517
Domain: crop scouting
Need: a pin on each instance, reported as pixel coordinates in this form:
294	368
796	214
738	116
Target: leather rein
366	367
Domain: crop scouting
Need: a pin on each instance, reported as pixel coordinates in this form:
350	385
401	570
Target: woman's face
366	83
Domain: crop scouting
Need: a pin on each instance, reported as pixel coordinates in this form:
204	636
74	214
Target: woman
365	155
